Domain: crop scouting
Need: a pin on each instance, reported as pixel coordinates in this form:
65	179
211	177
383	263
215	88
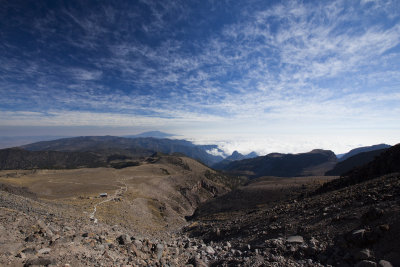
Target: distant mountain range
316	162
96	151
234	157
15	141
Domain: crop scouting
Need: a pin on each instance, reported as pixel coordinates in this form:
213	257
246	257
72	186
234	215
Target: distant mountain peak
251	155
154	134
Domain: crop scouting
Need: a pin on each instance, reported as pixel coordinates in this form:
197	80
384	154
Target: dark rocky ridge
386	162
316	162
357	160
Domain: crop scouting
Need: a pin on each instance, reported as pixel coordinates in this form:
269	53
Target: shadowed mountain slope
316	162
354	161
386	163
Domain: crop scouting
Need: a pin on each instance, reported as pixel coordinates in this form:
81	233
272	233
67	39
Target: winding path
119	192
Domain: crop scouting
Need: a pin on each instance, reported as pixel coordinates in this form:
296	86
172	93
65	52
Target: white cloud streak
326	65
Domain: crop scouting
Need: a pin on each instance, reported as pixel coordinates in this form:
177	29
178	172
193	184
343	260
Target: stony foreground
355	226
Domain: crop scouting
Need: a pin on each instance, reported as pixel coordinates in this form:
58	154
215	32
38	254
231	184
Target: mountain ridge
315	162
354	161
235	156
144	145
358	150
385	163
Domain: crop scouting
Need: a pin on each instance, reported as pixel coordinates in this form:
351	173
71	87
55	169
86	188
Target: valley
172	210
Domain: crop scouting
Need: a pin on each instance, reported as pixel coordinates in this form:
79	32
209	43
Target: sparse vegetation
230	181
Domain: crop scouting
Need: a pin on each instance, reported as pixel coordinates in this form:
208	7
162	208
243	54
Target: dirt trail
118	193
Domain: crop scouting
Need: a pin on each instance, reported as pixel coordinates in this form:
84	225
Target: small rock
358	236
159	250
238	253
383	263
138	243
384	227
44	251
363	254
196	262
372	214
295	239
30	238
39	261
366	263
210	250
21	255
123	239
29	250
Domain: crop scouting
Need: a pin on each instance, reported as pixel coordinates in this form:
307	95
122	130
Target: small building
103	195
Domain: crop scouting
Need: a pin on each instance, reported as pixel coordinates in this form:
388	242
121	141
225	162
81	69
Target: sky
268	76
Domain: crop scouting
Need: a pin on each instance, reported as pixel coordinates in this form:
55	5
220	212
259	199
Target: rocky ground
354	226
36	233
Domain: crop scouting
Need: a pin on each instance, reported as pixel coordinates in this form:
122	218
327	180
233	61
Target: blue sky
283	76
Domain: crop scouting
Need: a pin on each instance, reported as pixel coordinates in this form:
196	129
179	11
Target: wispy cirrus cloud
283	65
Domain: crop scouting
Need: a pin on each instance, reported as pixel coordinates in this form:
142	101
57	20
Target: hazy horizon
243	146
264	76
